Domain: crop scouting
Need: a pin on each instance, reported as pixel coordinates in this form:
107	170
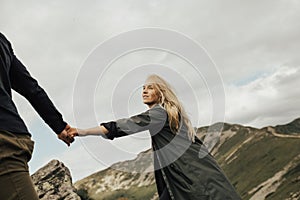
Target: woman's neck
151	105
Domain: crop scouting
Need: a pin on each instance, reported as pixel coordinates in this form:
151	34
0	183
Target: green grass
227	147
290	185
259	160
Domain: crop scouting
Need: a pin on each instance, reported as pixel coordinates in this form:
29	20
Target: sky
247	71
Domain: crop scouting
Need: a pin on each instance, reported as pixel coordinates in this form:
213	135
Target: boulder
54	181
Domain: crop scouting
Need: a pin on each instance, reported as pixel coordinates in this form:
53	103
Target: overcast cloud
255	45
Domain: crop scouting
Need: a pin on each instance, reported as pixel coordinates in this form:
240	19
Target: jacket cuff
59	127
110	126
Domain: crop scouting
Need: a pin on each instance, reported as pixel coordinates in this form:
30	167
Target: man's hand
73	132
64	136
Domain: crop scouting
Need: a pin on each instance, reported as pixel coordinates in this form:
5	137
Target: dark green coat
183	170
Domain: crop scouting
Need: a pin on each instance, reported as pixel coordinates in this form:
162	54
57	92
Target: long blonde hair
169	101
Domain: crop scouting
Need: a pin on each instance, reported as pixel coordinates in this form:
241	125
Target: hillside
261	164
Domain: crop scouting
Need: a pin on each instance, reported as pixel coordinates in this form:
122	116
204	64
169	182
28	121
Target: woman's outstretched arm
98	130
152	120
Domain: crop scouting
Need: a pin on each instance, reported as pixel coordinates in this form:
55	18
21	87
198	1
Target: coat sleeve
153	120
23	83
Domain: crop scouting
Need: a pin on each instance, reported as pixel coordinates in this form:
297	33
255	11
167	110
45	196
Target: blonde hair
169	101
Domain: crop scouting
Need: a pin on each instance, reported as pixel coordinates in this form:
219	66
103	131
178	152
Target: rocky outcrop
54	182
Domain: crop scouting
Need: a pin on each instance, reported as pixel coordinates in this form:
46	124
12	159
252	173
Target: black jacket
13	75
184	169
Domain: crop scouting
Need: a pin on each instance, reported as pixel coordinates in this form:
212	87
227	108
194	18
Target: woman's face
150	95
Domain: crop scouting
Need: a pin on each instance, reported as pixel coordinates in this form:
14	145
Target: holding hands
69	133
65	137
73	132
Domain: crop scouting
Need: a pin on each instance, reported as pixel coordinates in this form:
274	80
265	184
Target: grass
268	156
290	185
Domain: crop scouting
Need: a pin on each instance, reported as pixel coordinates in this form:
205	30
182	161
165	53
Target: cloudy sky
248	49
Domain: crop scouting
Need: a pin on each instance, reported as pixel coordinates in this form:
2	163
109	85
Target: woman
184	169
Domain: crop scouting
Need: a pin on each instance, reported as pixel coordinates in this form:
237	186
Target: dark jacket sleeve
153	120
23	83
113	130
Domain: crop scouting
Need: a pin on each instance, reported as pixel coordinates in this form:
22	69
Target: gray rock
54	182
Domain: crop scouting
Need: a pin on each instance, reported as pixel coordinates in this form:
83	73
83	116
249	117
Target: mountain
290	128
132	179
261	164
54	181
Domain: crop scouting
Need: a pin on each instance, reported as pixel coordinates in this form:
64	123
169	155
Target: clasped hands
68	134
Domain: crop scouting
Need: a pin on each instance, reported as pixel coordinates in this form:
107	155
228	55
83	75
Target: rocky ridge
54	182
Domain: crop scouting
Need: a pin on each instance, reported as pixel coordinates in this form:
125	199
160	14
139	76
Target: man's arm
23	83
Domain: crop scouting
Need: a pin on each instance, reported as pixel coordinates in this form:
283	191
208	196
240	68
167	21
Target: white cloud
269	100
